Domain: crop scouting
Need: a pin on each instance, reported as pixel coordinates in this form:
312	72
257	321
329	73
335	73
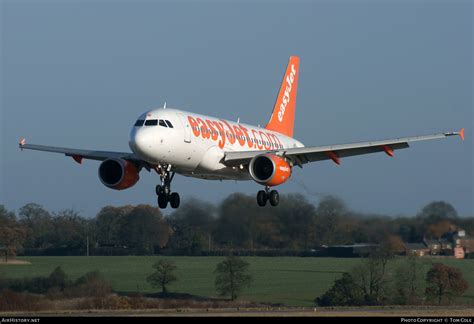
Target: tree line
413	282
200	227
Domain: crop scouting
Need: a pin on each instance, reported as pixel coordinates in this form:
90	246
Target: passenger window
162	123
169	124
139	122
151	122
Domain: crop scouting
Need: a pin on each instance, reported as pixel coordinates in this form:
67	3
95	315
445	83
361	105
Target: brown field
395	311
14	262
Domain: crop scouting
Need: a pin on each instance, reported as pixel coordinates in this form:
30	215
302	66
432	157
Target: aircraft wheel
262	198
162	201
174	200
274	198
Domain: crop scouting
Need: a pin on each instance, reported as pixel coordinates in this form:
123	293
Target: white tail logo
286	97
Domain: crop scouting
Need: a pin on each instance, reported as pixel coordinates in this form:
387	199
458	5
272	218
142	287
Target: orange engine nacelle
270	170
118	174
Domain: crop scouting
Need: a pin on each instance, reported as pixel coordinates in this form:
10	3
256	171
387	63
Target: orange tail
283	115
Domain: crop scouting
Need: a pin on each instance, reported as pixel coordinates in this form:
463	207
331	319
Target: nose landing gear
264	195
163	191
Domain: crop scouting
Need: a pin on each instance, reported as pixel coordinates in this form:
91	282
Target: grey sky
78	73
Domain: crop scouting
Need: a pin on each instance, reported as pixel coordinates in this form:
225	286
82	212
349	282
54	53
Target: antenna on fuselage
238	120
164	106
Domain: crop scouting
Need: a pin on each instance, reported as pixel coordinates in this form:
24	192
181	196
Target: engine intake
270	170
118	174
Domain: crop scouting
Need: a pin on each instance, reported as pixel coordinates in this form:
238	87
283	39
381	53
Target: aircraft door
186	127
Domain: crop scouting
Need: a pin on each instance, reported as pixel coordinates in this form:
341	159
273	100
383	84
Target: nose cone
141	143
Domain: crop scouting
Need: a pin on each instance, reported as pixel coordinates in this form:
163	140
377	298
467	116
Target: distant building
460	239
417	249
433	245
459	253
351	250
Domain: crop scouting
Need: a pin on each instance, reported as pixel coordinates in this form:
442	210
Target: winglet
461	133
22	143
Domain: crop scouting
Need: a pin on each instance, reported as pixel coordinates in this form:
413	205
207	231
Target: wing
78	154
302	155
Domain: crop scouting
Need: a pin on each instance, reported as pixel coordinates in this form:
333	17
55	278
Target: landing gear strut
163	191
264	195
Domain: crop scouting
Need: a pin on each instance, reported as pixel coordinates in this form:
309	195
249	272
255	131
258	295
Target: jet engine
270	170
118	174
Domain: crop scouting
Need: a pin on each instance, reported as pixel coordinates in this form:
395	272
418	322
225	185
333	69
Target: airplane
171	141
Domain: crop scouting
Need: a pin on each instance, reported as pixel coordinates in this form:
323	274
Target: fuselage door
186	127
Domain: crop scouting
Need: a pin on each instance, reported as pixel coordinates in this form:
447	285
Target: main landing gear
264	195
163	191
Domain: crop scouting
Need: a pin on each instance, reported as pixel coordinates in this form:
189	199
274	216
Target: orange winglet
333	156
22	143
388	150
77	158
461	133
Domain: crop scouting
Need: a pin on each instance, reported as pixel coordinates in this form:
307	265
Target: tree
445	283
144	228
437	230
12	234
237	221
232	276
409	280
437	211
344	292
329	214
371	278
39	223
164	274
296	220
108	222
58	279
70	230
192	226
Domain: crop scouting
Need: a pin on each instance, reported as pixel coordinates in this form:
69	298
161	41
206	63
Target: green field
287	280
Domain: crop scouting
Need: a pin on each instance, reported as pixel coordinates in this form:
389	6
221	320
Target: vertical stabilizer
283	115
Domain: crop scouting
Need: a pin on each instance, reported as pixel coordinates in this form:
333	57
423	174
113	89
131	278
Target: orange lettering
240	135
249	142
273	138
259	145
266	141
204	132
220	127
230	135
194	126
214	134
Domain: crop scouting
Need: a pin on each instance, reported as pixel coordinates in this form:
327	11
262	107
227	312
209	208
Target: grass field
287	280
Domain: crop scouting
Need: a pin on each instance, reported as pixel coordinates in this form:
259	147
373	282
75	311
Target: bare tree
409	280
164	274
232	276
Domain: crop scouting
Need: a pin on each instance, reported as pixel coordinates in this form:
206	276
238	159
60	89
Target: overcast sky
78	73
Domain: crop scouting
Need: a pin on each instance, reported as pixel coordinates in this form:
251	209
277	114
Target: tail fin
283	115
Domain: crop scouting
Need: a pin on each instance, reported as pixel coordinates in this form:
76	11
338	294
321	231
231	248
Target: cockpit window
162	123
139	122
169	124
151	122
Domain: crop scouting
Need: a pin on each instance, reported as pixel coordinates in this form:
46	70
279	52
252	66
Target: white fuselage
195	145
